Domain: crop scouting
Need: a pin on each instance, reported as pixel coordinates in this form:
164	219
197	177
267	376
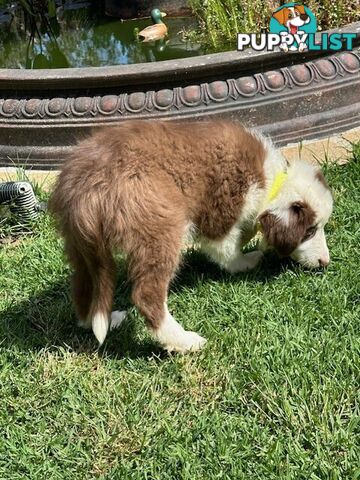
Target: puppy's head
293	224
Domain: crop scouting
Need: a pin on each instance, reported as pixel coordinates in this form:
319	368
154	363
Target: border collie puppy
141	187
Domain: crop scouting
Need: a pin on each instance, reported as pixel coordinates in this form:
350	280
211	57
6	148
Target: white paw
284	47
117	318
174	338
188	342
302	47
245	262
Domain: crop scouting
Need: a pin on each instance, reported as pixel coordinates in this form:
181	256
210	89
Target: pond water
83	36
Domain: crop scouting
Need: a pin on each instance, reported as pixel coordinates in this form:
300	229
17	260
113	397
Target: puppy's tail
103	273
88	243
101	269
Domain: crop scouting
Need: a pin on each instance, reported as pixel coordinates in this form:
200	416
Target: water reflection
80	37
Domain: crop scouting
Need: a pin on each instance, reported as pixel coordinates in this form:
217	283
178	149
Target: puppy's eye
290	15
310	232
297	13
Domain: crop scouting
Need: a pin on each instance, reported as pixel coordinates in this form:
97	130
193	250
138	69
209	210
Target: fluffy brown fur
137	187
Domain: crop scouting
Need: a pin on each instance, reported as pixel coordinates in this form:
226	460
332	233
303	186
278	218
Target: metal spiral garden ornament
21	200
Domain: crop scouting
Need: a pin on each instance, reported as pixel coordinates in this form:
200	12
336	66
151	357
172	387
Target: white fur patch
100	326
302	185
314	252
245	262
227	251
189	235
117	318
174	338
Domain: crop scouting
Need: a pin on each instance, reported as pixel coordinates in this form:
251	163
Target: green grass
221	20
273	396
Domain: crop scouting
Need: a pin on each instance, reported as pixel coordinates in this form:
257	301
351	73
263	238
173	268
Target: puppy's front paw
245	262
117	318
188	342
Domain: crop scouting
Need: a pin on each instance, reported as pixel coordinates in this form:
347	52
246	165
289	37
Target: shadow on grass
46	320
196	268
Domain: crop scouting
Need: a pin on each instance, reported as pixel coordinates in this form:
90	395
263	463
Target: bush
220	20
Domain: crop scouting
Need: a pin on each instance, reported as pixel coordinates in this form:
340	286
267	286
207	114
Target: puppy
292	18
141	187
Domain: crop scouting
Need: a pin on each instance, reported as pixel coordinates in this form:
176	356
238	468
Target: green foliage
221	20
274	395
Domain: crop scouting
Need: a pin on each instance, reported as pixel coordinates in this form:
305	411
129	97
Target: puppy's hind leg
81	285
150	285
93	286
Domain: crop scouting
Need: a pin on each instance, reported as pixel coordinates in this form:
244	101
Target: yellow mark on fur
276	186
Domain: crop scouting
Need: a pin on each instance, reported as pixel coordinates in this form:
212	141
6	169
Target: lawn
274	395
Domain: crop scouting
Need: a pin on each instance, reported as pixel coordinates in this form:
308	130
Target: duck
157	31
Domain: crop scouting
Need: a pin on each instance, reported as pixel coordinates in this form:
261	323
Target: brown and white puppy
143	186
292	18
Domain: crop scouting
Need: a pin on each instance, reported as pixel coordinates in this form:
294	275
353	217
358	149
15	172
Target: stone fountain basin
289	96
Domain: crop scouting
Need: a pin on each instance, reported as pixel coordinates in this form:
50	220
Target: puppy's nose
324	261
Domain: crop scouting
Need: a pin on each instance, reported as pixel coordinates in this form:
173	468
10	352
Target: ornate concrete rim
288	96
249	90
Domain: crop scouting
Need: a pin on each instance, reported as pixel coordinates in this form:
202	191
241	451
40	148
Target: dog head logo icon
293	21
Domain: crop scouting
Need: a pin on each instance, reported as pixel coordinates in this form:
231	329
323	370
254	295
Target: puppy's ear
320	178
300	9
283	236
278	234
280	16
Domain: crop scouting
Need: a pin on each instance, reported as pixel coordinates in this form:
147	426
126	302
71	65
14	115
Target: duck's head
157	16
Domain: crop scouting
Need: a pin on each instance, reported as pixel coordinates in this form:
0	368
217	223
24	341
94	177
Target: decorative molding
239	90
290	97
